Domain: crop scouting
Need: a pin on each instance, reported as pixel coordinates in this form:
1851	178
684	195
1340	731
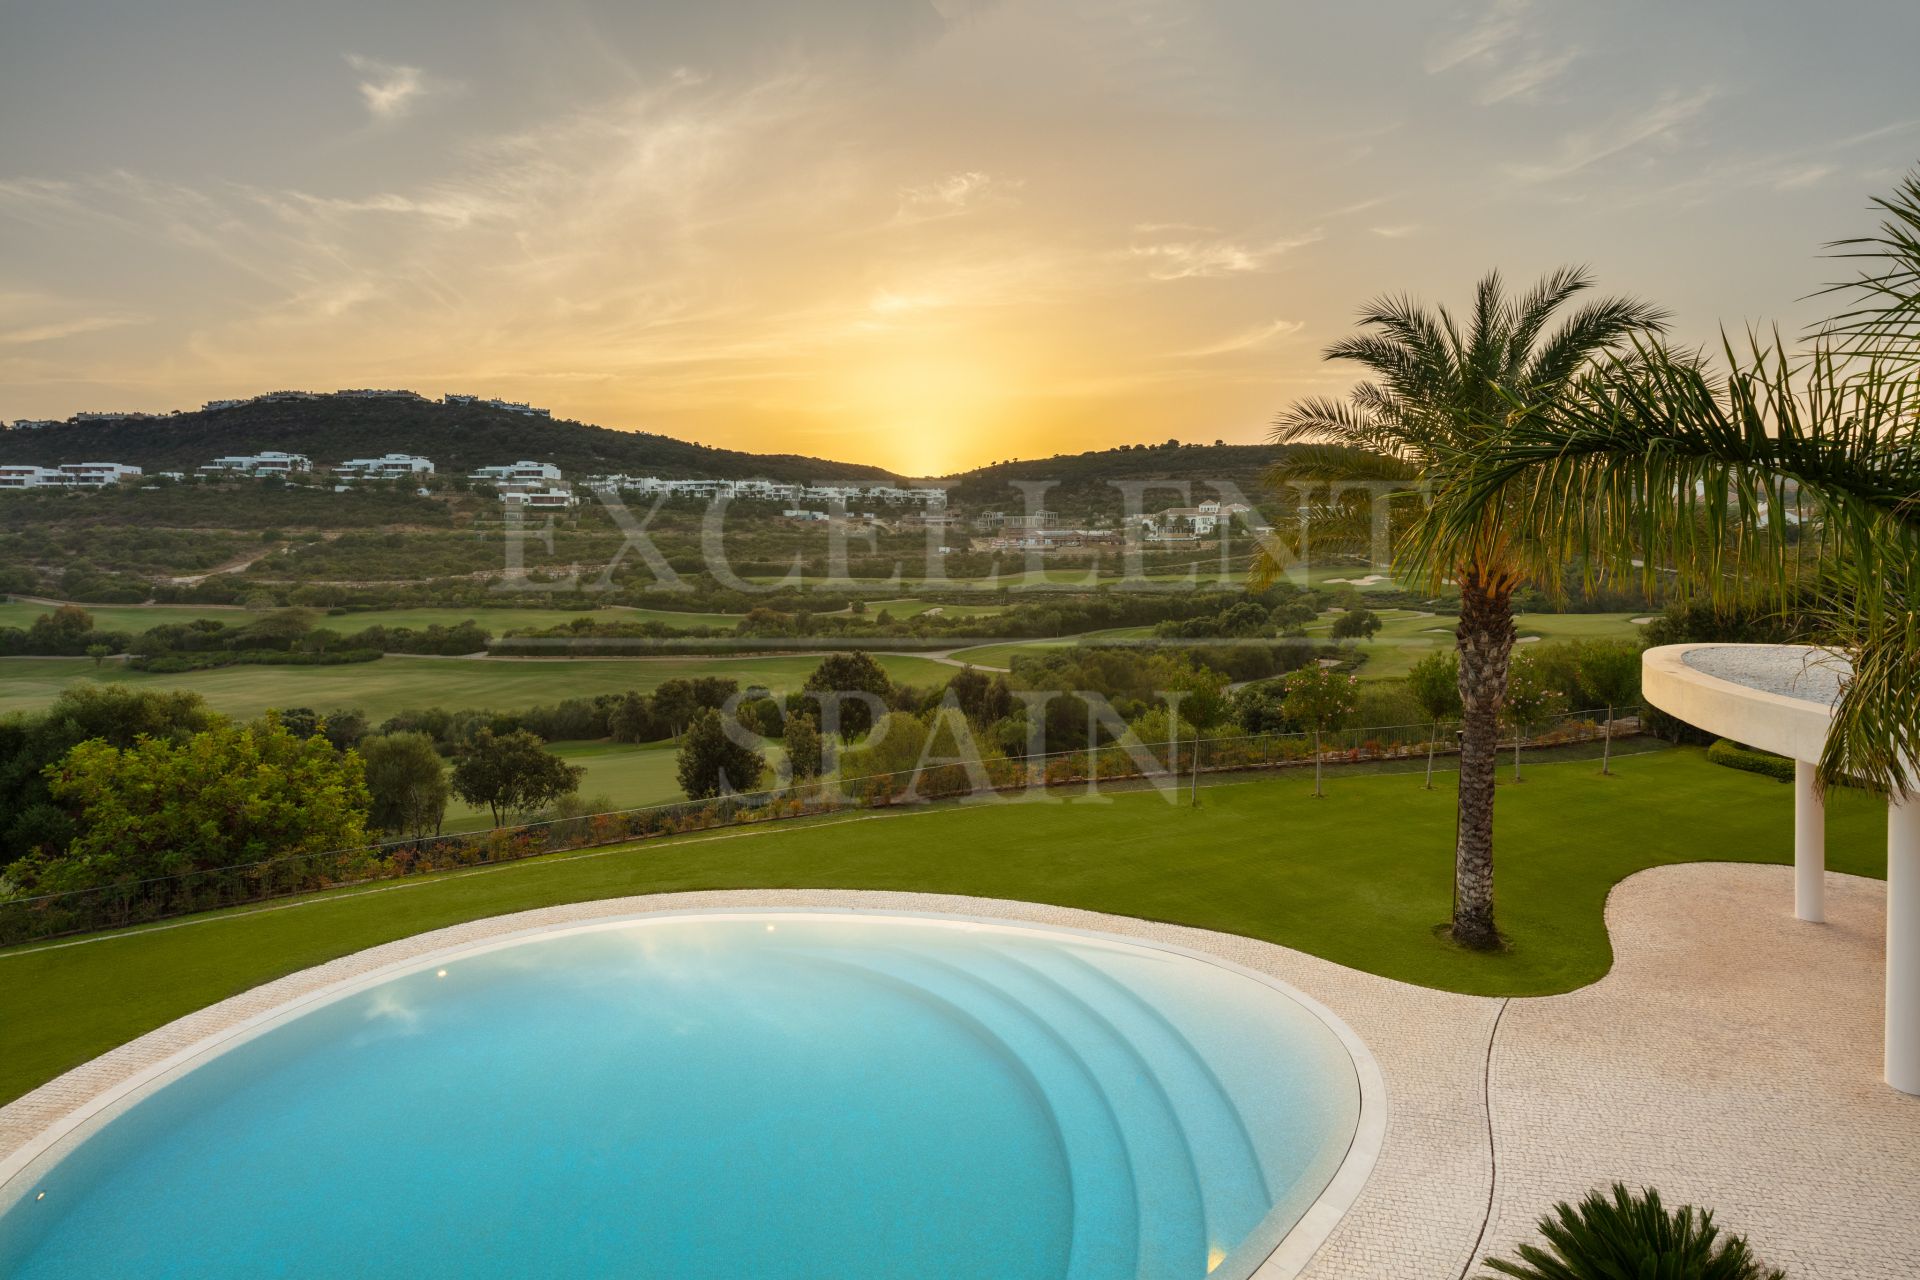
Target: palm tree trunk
1485	642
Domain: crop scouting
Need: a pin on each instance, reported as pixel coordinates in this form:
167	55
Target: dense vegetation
459	438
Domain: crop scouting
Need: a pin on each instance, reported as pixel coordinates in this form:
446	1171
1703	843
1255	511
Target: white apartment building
511	406
385	467
37	424
70	475
268	463
97	475
1177	524
539	499
772	491
518	477
21	476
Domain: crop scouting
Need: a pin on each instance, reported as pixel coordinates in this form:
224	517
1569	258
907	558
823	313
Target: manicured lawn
1408	635
911	608
626	775
396	683
1002	655
1361	877
137	618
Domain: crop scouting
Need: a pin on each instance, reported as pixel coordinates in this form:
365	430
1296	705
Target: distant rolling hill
1090	481
458	438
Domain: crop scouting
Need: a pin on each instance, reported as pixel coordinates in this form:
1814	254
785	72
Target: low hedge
178	661
1765	763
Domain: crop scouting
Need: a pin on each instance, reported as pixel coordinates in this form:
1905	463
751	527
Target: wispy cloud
1512	61
1585	148
1247	340
1398	232
1189	259
1525	77
952	196
389	89
54	330
1499	25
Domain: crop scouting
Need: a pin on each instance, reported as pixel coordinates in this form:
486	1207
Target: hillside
458	438
1086	482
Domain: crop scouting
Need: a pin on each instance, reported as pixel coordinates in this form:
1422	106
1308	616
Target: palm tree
1438	393
1790	478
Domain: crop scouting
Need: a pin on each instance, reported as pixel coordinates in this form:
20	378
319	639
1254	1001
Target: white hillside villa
518	477
269	463
1179	524
386	466
772	491
68	475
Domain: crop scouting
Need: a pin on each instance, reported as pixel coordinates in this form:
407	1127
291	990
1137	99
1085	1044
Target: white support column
1809	845
1903	944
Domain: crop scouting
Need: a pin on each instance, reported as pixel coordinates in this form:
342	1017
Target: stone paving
1731	1056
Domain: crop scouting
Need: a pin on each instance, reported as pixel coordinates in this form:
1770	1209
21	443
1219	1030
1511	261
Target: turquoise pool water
813	1097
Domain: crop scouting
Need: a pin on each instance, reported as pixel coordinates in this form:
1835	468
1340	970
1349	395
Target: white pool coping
1286	1260
1686	1068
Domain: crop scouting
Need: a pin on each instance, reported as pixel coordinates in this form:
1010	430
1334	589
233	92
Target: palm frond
1883	321
1591	333
1787	478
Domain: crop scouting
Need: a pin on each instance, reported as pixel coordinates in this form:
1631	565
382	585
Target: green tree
281	629
1609	674
674	705
1442	390
406	783
711	763
1356	624
99	653
115	714
983	698
67	630
631	719
1434	682
227	796
511	773
1531	702
893	745
802	743
1632	1235
1320	699
858	680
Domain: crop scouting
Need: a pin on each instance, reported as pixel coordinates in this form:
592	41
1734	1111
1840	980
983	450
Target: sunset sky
926	235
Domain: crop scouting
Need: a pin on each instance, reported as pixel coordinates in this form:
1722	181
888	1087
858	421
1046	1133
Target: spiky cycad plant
1632	1237
1439	392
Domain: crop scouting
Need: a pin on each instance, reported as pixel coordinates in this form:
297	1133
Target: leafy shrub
207	659
1632	1235
1765	763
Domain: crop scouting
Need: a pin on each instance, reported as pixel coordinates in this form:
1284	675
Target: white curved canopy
1777	697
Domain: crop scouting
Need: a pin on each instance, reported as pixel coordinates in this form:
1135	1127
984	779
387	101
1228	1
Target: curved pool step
1170	1214
1233	1180
1106	1228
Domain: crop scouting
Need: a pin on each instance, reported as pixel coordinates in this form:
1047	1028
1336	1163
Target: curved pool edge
1257	1259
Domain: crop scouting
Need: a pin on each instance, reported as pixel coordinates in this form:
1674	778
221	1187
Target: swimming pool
780	1094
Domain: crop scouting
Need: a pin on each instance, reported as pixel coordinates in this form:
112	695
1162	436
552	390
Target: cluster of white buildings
68	475
511	406
269	463
1189	524
527	484
348	393
772	491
